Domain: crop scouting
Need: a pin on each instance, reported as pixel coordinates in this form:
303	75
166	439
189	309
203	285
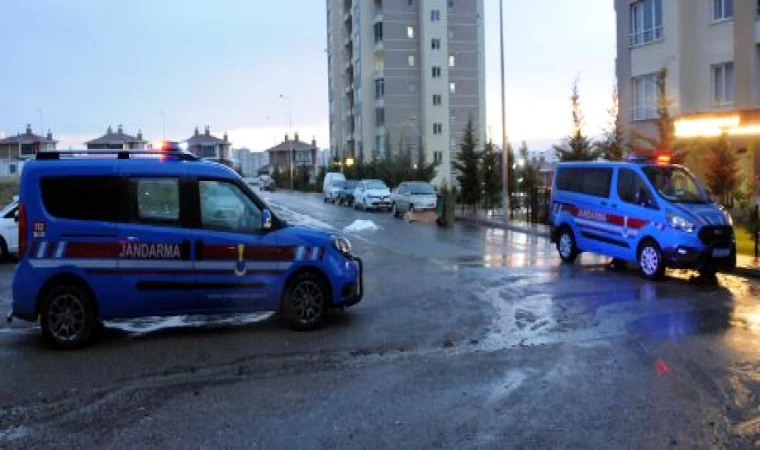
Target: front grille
712	235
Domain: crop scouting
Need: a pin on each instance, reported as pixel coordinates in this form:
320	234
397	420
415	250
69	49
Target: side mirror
266	220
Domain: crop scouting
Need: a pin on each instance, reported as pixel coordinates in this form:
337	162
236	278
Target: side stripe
315	253
60	250
41	249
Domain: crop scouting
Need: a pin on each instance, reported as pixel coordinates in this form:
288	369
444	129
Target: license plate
721	252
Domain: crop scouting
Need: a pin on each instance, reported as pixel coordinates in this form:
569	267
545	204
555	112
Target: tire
410	209
324	200
394	211
68	317
4	255
305	302
566	247
651	261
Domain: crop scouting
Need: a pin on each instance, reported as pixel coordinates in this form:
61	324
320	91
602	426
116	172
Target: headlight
726	215
679	223
342	245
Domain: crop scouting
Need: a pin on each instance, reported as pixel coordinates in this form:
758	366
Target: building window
435	15
410	32
435	44
411	60
451	4
646	22
436	72
723	84
644	97
378	32
722	10
437	99
437	128
409	2
12	169
379	88
452	61
438	157
379	117
453	88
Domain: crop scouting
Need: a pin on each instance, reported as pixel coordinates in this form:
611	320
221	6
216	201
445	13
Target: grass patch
745	245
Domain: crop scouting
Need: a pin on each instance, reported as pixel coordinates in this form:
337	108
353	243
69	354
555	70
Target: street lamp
290	141
350	161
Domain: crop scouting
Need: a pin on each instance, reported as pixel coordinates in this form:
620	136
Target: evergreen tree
467	165
614	147
722	170
665	140
577	146
491	177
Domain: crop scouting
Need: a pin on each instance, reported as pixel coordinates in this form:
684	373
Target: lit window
436	72
453	88
410	32
435	15
411	60
723	10
452	61
435	44
723	84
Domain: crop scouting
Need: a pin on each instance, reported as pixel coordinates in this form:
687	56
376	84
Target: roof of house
28	138
119	137
294	145
205	138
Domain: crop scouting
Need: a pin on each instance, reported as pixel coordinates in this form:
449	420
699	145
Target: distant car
372	194
9	229
413	196
253	182
346	193
332	185
267	183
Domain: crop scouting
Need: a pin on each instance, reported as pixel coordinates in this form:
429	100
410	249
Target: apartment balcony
349	88
378	16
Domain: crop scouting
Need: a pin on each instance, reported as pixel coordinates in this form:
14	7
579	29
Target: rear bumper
683	257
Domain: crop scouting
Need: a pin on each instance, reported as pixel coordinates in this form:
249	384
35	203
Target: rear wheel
651	261
67	317
566	246
305	302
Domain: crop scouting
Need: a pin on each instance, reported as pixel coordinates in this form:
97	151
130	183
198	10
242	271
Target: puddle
152	324
682	324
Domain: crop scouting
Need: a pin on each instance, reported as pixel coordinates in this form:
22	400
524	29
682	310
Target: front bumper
683	257
352	292
373	203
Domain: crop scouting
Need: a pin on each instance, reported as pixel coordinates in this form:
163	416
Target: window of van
225	207
585	180
632	189
83	197
157	200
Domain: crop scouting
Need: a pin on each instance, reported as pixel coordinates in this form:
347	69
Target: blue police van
122	234
647	212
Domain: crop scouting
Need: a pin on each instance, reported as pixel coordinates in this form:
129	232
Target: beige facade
405	71
710	48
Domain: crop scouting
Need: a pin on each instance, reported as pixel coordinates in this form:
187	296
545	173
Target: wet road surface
466	338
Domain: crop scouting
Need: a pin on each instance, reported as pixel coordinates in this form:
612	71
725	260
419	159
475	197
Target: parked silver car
413	196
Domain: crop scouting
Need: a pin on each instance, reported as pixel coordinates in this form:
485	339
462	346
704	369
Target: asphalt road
467	338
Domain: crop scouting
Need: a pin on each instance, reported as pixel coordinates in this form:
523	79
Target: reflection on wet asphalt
484	322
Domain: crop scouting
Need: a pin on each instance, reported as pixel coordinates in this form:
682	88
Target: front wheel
566	246
67	317
651	261
305	302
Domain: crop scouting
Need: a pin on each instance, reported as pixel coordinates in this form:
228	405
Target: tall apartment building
405	70
710	48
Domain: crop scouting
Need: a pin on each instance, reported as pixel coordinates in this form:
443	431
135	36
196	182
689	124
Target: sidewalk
746	266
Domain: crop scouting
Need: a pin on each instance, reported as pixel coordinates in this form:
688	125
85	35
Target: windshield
421	189
337	184
376	185
676	184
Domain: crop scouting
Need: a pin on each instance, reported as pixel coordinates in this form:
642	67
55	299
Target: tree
467	165
491	177
577	146
423	171
665	140
722	170
614	146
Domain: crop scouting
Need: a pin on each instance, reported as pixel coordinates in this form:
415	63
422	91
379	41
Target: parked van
651	213
332	186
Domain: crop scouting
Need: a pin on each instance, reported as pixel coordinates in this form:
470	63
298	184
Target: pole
756	217
504	145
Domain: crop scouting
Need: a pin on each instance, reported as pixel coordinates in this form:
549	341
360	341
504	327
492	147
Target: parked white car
332	186
372	194
9	229
413	196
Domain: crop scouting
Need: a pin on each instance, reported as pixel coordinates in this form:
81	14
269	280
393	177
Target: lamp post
290	141
504	148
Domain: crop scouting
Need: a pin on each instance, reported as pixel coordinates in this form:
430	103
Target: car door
596	213
155	259
403	196
238	262
637	205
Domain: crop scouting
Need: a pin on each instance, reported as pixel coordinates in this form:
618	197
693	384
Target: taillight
23	236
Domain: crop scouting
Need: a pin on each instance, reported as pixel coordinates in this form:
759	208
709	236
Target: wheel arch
318	272
65	279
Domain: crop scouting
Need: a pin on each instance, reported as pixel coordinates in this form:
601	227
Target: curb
746	272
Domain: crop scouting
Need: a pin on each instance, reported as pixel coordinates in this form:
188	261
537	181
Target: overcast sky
77	66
